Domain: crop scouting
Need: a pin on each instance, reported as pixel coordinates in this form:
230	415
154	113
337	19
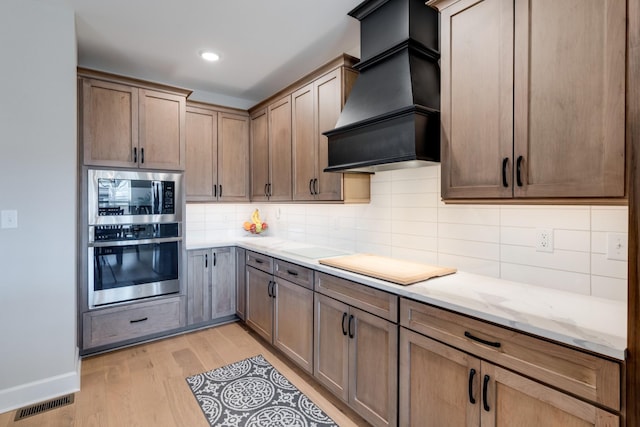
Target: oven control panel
119	232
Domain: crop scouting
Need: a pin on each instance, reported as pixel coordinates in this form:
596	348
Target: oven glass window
135	197
130	265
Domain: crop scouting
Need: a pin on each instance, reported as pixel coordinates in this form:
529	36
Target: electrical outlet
544	240
617	246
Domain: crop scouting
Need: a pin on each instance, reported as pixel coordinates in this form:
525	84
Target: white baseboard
41	390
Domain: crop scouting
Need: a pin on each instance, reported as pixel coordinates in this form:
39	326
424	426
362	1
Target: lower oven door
124	272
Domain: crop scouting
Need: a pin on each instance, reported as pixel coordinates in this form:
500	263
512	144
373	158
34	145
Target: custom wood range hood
391	119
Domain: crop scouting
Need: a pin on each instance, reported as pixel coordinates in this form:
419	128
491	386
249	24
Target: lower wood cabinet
260	302
125	323
281	310
442	386
356	359
211	284
241	284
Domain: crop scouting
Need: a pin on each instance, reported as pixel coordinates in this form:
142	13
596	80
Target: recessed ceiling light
207	55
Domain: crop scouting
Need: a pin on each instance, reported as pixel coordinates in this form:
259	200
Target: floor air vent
41	407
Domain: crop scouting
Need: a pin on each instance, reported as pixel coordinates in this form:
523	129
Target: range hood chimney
391	119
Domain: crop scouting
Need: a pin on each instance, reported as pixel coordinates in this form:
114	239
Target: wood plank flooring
145	385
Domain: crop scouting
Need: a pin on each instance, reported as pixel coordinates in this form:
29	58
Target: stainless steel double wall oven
134	235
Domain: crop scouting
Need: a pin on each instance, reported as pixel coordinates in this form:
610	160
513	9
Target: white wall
38	354
406	219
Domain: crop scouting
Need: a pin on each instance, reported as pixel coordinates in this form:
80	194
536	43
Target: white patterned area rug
252	393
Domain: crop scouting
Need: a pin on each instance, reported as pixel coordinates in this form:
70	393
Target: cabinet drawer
125	323
294	273
369	299
259	261
576	372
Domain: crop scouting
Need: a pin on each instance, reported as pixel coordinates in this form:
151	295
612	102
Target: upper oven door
122	197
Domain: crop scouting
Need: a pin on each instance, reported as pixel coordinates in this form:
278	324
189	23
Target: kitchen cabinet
280	306
211	284
271	152
241	283
532	99
129	323
217	154
297	116
315	109
484	376
131	124
356	351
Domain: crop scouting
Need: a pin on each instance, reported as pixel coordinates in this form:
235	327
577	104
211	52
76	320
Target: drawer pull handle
139	320
472	374
485	387
259	261
344	328
480	340
351	333
519	171
293	273
505	182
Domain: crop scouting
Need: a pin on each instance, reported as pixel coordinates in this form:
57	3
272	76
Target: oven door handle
134	242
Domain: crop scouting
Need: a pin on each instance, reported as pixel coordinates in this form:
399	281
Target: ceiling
263	45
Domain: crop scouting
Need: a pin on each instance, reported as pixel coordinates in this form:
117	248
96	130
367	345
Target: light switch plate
9	219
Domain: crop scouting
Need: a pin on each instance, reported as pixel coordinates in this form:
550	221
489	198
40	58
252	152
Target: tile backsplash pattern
406	219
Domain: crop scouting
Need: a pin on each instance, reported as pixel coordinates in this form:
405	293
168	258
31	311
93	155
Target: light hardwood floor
145	385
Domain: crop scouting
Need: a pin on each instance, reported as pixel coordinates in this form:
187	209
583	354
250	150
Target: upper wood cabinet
271	152
217	154
533	98
316	108
298	115
131	123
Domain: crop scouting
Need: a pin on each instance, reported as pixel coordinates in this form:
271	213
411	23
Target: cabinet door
280	150
477	99
233	157
109	123
223	282
161	130
328	105
293	323
198	287
331	345
259	155
513	400
201	148
241	284
570	97
373	362
259	303
304	144
439	385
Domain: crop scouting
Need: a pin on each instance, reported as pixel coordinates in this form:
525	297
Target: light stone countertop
590	323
